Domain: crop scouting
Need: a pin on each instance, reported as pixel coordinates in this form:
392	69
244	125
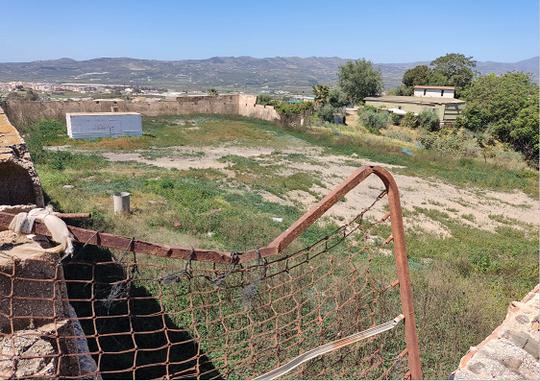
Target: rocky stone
511	351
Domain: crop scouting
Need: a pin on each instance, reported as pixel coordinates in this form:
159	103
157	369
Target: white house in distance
91	125
434	91
437	98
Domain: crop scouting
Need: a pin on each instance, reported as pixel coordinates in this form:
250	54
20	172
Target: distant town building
437	98
83	125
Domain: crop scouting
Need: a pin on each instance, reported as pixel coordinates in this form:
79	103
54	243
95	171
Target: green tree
505	106
457	69
359	79
418	75
321	94
337	98
524	133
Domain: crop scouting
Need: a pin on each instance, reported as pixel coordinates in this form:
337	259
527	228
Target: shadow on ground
127	333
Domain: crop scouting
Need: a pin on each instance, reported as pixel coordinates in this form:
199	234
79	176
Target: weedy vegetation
462	284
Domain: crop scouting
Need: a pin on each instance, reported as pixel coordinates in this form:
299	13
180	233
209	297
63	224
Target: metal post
402	267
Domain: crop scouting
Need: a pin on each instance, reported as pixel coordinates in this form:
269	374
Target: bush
373	119
507	107
455	142
428	120
400	133
337	98
409	120
265	99
395	119
293	109
326	113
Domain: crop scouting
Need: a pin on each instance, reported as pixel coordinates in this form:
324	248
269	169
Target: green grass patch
267	177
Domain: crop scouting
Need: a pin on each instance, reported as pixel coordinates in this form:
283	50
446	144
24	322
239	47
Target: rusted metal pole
402	266
285	238
113	241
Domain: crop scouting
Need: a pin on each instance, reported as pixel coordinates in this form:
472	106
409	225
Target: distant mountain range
224	73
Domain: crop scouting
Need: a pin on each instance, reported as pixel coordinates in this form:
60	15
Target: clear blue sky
382	31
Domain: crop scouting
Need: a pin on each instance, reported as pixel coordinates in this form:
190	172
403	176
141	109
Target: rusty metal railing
241	262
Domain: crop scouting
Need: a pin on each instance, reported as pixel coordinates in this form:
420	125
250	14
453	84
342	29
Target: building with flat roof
434	91
437	98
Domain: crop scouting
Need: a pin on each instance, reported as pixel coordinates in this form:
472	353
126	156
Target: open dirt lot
480	208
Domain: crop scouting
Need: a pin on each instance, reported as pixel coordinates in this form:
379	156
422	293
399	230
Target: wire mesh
145	317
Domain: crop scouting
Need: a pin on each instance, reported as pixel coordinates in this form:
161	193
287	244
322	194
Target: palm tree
321	93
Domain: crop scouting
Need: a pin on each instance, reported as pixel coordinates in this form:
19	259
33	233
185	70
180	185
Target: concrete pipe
121	202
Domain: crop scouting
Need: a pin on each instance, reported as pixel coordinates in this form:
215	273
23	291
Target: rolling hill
231	73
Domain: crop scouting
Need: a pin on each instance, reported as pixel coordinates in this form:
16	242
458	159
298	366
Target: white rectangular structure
434	91
91	125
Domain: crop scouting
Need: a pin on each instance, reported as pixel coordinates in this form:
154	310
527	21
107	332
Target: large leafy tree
453	69
337	98
418	75
457	69
359	79
505	106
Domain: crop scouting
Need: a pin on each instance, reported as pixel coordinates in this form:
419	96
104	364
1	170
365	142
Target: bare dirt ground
474	207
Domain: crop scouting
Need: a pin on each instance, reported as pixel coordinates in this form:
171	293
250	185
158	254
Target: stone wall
22	113
511	352
247	107
19	183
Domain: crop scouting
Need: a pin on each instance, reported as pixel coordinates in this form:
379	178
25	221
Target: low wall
247	106
22	113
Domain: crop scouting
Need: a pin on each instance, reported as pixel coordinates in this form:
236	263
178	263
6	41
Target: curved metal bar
398	235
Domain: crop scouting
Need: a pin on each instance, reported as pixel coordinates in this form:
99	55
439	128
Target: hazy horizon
248	56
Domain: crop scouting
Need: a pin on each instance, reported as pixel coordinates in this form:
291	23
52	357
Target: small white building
434	91
91	125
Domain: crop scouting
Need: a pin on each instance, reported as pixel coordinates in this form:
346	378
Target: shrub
373	119
326	113
400	133
265	99
395	119
455	142
409	120
428	120
293	109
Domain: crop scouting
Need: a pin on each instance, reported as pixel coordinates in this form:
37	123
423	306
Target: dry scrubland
210	181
